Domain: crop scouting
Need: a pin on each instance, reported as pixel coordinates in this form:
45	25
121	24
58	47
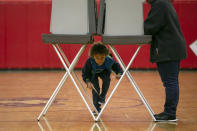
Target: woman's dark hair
98	48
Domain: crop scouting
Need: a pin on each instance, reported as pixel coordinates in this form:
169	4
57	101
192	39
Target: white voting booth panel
74	21
121	22
69	17
124	17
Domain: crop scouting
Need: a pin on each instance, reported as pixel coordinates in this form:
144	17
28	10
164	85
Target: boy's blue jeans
105	76
169	72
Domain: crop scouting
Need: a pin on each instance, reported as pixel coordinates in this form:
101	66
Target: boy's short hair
98	48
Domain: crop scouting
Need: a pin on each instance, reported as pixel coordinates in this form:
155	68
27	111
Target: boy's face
99	58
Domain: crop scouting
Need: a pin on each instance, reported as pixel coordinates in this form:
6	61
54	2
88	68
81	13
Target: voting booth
121	23
72	22
75	22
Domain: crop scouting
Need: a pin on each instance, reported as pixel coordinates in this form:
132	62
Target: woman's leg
169	72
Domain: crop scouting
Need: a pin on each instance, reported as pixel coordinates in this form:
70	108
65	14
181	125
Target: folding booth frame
84	40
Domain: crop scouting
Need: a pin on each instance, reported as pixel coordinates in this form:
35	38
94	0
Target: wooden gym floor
23	95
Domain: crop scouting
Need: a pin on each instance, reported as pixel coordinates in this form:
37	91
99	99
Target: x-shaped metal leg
81	85
64	59
132	81
116	86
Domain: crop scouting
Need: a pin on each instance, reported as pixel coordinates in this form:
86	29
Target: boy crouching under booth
99	64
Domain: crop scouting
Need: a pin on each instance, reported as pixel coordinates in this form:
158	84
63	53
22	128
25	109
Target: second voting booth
76	22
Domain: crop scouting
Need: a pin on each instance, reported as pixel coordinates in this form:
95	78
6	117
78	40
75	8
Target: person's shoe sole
167	120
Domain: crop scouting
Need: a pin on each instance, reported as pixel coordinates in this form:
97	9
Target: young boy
99	64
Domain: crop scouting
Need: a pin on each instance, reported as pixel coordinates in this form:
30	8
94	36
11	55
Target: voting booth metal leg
133	82
64	59
116	86
52	98
81	85
69	73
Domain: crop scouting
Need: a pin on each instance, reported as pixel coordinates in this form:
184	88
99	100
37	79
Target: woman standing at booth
168	48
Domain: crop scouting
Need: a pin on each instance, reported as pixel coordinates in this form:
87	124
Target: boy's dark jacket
162	23
89	69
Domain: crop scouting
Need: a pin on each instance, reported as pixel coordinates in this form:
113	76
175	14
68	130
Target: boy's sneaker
101	101
165	117
94	113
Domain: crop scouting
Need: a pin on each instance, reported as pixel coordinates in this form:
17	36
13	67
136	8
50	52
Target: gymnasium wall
23	21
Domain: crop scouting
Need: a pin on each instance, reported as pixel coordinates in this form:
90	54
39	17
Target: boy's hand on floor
118	76
89	85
